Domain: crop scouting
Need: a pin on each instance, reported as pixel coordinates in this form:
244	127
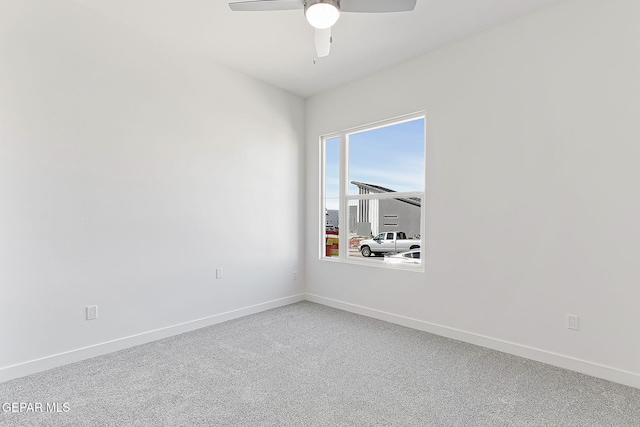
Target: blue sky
390	156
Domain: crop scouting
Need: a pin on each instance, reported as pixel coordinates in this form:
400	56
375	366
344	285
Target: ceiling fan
322	14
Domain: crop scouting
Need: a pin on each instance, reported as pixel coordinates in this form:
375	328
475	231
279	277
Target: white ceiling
278	48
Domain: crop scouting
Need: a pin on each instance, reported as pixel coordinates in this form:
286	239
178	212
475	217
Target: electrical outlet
218	273
572	321
295	275
92	312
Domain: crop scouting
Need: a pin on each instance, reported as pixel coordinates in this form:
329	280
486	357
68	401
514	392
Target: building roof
372	188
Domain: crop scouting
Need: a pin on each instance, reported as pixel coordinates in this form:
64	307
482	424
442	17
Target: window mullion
343	230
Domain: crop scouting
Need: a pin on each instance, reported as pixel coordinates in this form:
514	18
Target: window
373	181
331	196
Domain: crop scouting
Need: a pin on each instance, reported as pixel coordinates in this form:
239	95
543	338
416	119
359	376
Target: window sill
416	268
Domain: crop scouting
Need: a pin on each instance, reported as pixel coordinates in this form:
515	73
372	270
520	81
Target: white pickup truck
388	242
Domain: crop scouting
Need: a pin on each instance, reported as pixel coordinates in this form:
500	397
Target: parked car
388	242
409	257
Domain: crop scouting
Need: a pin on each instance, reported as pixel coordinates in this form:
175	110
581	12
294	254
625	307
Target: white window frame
345	198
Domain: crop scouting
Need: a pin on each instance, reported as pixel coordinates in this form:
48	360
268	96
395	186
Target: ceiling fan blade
377	6
323	42
266	5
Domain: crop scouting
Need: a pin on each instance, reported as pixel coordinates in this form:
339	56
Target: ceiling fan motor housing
309	3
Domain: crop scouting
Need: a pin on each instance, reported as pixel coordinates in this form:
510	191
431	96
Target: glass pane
387	159
384	230
332	193
332	170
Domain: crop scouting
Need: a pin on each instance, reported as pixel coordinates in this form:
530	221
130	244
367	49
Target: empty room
319	212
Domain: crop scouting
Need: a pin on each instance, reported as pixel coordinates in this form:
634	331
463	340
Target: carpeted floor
310	365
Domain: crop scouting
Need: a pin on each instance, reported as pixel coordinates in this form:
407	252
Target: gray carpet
310	365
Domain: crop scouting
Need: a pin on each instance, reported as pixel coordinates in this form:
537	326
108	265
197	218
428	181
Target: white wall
532	189
129	171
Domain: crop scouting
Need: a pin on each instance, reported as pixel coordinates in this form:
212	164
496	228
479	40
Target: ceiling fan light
322	14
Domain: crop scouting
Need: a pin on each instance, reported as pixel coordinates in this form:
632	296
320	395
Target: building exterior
332	218
370	217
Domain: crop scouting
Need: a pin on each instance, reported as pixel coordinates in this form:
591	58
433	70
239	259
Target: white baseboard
585	367
32	366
